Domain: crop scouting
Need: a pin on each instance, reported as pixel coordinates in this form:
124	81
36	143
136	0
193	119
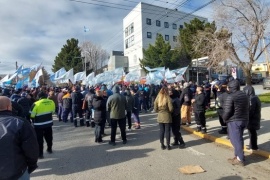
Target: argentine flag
86	29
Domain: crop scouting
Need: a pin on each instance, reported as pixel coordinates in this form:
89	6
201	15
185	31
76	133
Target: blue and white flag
36	78
80	76
86	29
36	67
59	73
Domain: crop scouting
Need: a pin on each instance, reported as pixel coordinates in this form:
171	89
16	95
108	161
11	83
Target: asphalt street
77	156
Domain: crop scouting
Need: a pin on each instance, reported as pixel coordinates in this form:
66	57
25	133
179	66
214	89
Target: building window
148	21
181	26
158	23
149	35
174	26
166	24
129	30
174	38
166	37
129	42
126	32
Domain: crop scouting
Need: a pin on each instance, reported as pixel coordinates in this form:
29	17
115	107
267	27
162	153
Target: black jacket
26	105
17	109
175	103
199	105
254	109
18	146
188	92
130	101
77	99
136	104
99	106
236	105
67	102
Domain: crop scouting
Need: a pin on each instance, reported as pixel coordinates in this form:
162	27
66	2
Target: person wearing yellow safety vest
41	115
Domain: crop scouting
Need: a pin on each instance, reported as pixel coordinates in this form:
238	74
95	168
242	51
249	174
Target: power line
162	16
188	14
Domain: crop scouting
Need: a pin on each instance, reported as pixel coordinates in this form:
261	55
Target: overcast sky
35	31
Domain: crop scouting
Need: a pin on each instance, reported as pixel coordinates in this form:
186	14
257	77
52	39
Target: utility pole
266	56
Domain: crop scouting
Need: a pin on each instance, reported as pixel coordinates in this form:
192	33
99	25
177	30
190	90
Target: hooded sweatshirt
116	104
254	108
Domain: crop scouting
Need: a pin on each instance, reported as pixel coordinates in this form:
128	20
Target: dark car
266	82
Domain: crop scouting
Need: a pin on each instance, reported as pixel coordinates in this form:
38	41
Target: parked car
266	82
256	78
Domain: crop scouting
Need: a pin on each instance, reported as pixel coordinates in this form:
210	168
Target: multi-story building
142	25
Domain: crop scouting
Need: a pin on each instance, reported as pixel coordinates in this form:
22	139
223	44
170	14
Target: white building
142	25
117	60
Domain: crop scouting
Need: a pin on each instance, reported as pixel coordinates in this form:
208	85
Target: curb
224	142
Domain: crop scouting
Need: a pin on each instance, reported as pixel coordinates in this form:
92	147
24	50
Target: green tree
160	55
69	57
187	35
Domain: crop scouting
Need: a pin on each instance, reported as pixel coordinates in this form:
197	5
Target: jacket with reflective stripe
41	113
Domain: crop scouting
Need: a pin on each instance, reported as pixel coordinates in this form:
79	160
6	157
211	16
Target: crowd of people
100	106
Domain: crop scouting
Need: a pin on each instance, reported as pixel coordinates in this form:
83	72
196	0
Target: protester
26	105
185	103
67	106
176	119
41	115
116	105
18	142
135	109
163	106
99	105
130	105
199	110
52	96
254	117
221	96
77	102
60	105
236	115
88	100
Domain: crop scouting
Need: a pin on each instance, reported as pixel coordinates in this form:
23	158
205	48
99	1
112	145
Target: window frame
148	21
158	23
149	35
166	25
166	38
174	26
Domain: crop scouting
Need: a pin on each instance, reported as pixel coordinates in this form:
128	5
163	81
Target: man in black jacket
19	147
254	117
77	102
236	115
185	103
221	96
199	110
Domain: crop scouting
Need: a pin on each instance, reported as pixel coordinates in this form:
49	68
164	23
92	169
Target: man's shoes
235	161
182	145
124	141
169	147
100	141
112	143
49	150
163	147
129	129
138	127
175	144
204	131
41	157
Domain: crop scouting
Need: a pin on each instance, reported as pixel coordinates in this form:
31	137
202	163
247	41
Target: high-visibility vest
41	113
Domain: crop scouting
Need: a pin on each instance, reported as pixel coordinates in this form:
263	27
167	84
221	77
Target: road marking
195	152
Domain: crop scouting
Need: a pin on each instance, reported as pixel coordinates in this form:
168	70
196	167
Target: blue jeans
236	131
25	176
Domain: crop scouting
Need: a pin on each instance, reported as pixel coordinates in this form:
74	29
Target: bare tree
245	23
94	55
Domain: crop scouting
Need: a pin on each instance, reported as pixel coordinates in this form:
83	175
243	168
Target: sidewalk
213	126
